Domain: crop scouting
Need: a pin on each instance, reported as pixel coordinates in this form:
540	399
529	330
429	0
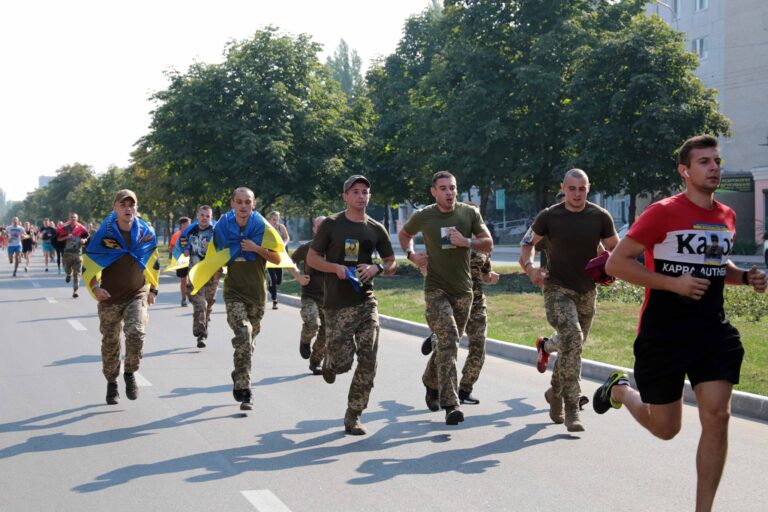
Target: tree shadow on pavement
226	388
96	358
35	423
324	442
61	441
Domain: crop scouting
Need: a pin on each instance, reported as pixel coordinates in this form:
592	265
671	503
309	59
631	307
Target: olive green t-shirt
246	281
313	290
349	243
573	240
448	268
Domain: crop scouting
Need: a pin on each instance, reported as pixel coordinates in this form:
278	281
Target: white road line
141	381
76	325
35	284
265	501
51	300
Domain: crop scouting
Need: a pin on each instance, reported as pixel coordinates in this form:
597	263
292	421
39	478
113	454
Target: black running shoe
305	350
68	279
583	400
426	345
601	400
200	342
465	397
247	402
315	369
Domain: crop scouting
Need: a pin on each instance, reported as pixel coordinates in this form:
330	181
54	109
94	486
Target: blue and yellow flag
178	258
107	246
225	246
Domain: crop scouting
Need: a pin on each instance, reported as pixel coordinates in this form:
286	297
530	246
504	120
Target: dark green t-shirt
573	240
448	268
314	290
349	243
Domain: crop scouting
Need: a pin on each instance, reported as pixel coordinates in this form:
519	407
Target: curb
744	404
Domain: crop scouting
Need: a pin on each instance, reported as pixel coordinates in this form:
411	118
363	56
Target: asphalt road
185	445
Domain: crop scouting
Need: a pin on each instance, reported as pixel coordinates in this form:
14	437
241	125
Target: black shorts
661	365
182	272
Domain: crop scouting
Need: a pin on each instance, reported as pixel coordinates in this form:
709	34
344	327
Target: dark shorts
661	365
182	272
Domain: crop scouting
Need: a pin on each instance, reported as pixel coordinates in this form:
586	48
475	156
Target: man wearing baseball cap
343	248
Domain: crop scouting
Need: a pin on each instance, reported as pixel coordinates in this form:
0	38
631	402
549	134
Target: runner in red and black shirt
683	328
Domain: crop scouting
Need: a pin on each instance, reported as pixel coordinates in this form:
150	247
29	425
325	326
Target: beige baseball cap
124	194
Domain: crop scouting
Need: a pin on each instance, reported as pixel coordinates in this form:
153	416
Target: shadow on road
92	358
275	451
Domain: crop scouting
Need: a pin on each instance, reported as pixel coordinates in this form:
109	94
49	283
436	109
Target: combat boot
555	406
113	395
572	421
352	423
131	389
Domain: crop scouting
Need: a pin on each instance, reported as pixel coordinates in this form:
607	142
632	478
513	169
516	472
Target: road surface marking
51	300
141	381
265	501
76	325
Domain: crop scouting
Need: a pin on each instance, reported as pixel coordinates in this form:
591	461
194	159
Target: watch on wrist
380	267
155	291
408	255
745	277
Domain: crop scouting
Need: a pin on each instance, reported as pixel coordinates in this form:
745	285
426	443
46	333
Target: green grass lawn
516	315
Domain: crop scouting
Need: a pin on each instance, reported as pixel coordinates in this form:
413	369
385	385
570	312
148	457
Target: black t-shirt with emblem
349	243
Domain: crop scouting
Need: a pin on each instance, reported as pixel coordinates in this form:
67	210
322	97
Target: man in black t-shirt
47	235
347	240
575	228
312	314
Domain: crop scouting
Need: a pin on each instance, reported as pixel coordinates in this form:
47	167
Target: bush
740	301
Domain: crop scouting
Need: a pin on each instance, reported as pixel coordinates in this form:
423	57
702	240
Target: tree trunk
632	206
387	218
485	197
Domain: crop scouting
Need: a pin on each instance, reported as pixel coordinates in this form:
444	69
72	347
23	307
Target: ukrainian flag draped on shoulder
225	246
107	246
178	258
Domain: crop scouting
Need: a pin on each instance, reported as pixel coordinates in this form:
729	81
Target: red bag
596	269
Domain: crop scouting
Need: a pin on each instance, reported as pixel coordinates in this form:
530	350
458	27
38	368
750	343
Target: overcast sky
77	74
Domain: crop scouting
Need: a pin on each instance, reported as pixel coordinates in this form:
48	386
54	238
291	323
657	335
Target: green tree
398	156
345	66
635	99
268	117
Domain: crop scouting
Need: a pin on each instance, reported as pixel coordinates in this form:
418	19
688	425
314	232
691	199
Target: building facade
731	39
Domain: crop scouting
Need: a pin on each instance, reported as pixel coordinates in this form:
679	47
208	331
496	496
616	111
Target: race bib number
445	240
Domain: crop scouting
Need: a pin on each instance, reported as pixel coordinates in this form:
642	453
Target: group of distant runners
683	331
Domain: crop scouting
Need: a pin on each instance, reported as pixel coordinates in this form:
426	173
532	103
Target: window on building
702	4
699	47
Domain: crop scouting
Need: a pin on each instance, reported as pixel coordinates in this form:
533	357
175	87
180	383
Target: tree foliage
268	117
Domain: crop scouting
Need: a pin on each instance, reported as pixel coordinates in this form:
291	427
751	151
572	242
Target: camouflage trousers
447	317
571	314
349	331
73	262
132	316
245	321
202	305
313	318
476	333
